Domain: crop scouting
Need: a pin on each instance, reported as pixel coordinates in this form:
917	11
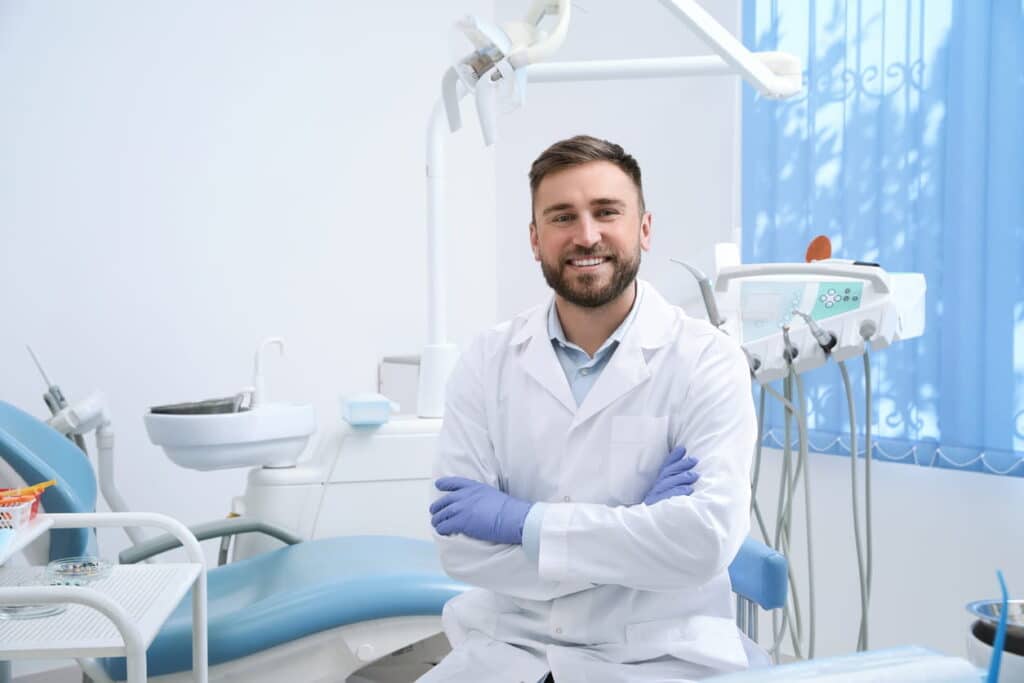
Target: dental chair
325	607
316	610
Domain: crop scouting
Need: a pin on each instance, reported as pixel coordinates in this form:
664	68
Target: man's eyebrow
600	201
556	207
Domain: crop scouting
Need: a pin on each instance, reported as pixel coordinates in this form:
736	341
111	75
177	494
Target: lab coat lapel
539	361
627	368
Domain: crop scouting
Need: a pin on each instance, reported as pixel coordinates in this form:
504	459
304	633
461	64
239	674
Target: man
566	495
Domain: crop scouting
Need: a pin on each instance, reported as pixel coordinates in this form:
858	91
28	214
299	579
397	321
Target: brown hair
582	149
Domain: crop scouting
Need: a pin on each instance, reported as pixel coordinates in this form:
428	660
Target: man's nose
587	232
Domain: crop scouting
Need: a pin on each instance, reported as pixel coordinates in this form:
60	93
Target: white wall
179	180
681	131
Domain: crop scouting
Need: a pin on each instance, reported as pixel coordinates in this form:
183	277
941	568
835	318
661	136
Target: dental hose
861	570
801	402
785	524
782	535
778	630
867	494
791	615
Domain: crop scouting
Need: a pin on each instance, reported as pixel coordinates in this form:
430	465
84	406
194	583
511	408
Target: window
906	148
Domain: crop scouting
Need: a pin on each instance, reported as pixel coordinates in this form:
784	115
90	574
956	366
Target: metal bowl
989	611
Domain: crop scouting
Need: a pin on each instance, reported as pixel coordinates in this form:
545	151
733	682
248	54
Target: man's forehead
586	183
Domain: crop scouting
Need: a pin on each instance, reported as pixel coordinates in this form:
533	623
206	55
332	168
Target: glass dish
16	612
76	571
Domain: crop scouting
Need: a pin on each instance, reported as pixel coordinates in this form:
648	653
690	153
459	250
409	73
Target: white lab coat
622	591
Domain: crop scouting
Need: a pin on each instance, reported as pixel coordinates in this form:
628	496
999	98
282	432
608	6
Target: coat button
558	630
567	498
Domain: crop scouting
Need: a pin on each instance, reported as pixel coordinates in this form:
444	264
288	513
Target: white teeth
587	261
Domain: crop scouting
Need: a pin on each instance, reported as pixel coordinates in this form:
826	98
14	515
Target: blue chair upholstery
299	590
759	574
39	453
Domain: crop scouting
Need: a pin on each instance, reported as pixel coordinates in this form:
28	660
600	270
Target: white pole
436	295
439	356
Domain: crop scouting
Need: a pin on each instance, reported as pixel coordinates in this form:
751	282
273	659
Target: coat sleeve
465	449
680	542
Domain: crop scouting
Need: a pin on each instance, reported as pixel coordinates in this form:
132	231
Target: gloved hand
479	511
676	477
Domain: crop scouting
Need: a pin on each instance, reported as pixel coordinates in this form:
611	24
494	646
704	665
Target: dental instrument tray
77	571
215	406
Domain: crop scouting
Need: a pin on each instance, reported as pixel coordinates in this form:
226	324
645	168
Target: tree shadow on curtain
904	149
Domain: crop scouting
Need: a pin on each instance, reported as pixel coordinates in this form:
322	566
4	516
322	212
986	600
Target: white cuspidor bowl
270	435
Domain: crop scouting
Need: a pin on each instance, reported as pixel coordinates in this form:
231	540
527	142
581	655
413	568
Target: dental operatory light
493	69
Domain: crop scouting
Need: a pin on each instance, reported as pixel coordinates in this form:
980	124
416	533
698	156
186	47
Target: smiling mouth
588	263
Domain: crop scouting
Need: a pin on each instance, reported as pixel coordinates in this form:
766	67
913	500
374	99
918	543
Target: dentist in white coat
594	462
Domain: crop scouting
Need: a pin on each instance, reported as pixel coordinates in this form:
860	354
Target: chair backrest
38	453
759	574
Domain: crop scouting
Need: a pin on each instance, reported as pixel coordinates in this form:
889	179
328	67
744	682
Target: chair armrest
175	529
759	573
205	531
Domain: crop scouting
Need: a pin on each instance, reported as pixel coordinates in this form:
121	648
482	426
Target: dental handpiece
826	340
790	352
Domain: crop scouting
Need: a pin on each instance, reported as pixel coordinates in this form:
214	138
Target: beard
585	290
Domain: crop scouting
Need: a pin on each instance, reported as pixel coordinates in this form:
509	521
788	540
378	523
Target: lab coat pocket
638	446
713	642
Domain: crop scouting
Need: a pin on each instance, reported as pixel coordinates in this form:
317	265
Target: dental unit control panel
804	312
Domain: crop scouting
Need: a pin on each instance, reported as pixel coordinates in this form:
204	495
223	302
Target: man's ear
646	226
534	246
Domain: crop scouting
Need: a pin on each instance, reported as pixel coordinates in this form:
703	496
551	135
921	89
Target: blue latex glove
676	477
479	511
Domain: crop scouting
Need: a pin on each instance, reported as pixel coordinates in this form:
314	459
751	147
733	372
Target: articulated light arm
777	75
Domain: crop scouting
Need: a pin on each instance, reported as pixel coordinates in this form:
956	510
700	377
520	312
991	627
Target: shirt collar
557	334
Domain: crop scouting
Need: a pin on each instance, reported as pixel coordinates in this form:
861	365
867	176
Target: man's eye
562	218
604	213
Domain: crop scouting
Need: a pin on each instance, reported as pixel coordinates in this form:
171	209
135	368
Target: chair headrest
38	453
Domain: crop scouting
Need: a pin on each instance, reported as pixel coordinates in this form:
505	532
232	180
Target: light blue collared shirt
581	371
